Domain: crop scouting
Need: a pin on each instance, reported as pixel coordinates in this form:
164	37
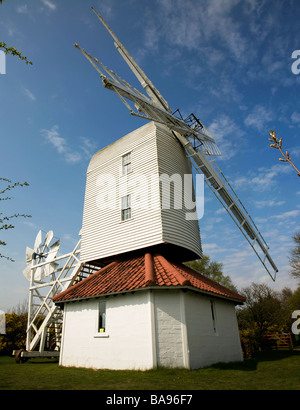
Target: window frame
213	317
126	210
101	316
126	163
101	331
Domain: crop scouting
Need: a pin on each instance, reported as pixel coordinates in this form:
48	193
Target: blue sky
228	62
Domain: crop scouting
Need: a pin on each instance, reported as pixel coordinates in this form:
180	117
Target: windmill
41	252
199	145
48	274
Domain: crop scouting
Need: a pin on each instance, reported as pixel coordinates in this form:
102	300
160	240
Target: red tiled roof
147	270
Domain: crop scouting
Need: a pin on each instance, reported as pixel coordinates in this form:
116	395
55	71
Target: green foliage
250	342
262	307
265	312
212	270
293	302
15	337
14	52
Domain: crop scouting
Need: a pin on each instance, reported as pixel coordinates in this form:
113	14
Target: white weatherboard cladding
154	151
172	161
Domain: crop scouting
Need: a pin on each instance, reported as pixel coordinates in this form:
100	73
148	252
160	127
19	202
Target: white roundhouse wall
147	329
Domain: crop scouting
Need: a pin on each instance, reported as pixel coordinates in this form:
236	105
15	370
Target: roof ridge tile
182	280
150	279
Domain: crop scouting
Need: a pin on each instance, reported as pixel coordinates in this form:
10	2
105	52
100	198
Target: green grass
274	370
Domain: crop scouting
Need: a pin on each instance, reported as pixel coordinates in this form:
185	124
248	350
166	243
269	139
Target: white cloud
55	139
295	152
22	9
60	144
227	135
288	214
259	117
255	5
269	203
262	179
107	7
287	220
29	94
86	149
295	117
189	24
194	24
212	220
73	157
210	247
49	4
220	211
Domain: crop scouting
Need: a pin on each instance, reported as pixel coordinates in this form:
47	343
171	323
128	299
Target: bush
250	343
15	337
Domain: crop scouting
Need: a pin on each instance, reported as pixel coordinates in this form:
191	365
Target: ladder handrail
218	187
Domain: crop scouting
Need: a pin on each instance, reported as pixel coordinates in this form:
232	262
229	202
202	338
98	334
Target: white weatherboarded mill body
131	167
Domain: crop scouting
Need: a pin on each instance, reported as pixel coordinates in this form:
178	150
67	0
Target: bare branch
277	144
5	220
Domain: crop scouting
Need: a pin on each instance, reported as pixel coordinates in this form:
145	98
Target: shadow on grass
246	365
41	361
37	360
263	356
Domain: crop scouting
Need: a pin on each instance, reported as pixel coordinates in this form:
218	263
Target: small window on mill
126	207
126	163
213	315
102	317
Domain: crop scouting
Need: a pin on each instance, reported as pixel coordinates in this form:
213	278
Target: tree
293	303
212	270
256	317
262	309
265	312
12	50
16	324
295	257
5	220
15	337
